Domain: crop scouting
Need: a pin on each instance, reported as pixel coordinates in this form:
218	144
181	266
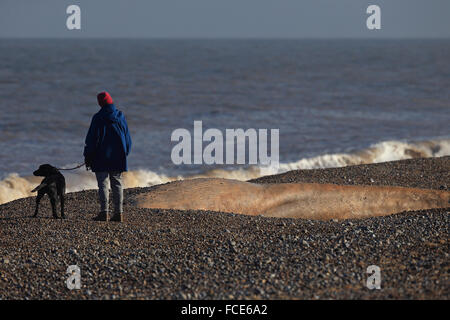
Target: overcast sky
225	18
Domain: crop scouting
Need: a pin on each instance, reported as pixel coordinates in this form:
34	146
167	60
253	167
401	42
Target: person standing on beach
107	146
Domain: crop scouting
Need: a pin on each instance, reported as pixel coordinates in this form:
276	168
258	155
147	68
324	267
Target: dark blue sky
225	18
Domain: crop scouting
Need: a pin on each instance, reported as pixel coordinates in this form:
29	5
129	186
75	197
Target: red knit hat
104	98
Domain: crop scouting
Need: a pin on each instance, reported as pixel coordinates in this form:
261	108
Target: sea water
335	102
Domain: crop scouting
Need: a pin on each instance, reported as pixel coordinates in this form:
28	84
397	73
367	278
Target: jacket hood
110	113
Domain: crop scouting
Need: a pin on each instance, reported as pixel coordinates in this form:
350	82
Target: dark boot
102	216
117	217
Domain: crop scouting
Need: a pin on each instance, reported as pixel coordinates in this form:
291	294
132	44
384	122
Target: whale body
290	200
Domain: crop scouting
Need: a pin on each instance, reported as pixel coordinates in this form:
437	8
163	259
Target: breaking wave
14	187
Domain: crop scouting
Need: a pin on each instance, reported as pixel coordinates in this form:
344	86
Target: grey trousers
103	180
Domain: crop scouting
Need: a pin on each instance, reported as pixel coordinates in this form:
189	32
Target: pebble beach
172	254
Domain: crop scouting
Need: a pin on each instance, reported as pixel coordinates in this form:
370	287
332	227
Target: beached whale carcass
290	200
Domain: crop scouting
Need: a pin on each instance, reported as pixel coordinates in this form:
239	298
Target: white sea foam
15	187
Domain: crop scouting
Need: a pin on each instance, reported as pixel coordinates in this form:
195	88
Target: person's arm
127	139
90	145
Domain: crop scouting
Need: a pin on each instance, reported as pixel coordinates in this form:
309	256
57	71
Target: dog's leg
53	203
38	199
39	187
62	206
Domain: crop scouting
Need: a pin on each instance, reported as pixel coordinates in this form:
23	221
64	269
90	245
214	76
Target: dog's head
45	170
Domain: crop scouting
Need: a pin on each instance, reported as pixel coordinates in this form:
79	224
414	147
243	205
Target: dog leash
79	166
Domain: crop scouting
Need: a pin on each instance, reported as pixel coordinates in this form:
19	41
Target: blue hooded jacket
108	141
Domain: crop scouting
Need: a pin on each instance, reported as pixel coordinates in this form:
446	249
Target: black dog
53	184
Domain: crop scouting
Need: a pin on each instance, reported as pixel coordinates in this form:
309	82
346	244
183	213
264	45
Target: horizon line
222	38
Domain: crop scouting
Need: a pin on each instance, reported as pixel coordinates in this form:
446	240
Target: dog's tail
39	187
